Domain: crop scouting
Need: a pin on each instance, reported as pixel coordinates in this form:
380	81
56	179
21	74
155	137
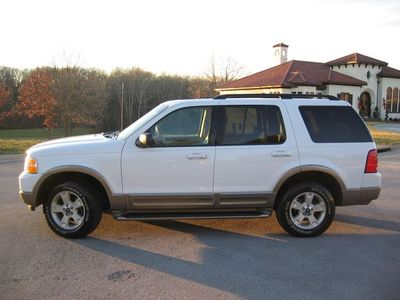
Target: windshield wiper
111	134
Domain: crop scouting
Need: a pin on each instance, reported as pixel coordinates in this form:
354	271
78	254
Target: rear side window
334	124
252	125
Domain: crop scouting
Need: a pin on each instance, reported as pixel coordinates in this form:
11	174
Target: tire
72	210
306	209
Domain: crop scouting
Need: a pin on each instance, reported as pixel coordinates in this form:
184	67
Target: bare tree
222	71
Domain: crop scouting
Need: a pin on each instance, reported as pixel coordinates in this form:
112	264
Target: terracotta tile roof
291	74
356	58
280	45
389	72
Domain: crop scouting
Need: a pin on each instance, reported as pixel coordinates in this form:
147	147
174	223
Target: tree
10	80
200	87
4	94
36	98
132	85
222	72
167	87
80	96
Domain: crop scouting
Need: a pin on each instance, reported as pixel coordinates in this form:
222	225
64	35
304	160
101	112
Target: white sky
178	36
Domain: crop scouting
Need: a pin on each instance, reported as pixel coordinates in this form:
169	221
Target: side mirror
145	140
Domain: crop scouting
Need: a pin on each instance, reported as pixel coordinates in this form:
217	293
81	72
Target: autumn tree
4	94
10	80
80	96
36	98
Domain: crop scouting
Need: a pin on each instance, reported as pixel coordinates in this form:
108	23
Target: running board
193	215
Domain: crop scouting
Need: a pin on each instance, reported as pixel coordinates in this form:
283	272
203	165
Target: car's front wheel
72	210
306	209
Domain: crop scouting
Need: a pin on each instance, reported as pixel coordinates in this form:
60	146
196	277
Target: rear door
255	148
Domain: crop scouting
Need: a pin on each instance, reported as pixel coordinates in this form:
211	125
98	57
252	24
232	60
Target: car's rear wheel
306	209
72	210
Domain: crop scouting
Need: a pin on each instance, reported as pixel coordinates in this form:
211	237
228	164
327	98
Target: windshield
143	120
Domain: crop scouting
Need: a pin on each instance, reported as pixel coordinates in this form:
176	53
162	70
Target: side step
193	215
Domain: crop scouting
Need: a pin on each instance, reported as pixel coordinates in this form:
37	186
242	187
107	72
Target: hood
78	145
73	139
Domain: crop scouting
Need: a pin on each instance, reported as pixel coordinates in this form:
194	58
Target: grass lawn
384	137
19	140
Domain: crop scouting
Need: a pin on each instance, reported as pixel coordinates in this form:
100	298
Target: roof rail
280	96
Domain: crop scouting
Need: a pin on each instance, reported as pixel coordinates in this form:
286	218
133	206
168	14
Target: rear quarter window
334	124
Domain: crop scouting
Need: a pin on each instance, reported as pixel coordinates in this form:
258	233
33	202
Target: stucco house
369	84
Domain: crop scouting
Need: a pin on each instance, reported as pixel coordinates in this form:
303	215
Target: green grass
384	137
19	140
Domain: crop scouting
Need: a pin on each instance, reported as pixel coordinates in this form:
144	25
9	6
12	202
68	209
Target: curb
382	149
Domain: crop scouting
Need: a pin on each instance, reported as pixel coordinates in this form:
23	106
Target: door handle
281	153
197	156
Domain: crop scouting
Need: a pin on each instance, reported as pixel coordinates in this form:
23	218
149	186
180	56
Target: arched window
395	100
389	99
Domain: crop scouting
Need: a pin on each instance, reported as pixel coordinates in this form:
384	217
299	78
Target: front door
176	171
365	105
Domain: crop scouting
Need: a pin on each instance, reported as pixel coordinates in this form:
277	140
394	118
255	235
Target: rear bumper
361	196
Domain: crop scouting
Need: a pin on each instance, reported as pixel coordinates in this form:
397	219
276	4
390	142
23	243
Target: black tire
89	212
321	198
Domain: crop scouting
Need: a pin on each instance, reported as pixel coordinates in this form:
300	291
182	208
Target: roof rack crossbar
281	96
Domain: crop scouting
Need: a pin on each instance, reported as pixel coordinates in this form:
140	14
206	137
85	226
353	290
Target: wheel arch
59	175
323	175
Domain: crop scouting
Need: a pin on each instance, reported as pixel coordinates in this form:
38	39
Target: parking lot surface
357	258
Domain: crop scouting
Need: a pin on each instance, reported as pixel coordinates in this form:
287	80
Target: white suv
227	157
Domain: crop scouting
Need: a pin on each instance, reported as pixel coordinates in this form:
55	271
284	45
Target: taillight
371	166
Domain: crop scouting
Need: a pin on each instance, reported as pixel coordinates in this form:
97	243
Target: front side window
252	125
184	127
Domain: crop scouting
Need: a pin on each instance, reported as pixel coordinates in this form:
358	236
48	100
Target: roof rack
280	96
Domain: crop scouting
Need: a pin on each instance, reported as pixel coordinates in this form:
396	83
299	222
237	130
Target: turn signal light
31	165
371	166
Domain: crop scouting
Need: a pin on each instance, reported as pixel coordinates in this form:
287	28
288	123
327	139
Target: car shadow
280	266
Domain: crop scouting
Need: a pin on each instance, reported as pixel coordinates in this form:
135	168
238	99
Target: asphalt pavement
357	258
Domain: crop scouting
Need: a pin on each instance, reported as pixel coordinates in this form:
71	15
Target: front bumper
28	199
27	183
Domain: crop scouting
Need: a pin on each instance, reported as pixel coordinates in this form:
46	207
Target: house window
395	100
389	99
346	97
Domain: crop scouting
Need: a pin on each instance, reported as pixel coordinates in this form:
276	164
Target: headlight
31	165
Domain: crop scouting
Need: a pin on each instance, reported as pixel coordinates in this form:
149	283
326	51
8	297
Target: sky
180	37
